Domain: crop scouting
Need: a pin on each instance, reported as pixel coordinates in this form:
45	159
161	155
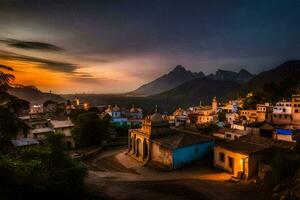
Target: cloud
86	78
31	45
52	65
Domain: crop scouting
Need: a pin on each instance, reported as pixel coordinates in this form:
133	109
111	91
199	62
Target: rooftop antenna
156	108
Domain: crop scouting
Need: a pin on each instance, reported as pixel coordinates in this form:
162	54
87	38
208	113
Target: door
231	164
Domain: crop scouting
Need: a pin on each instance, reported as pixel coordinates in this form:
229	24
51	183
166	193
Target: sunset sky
111	46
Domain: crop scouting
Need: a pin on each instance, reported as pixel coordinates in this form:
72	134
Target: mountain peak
244	71
178	68
168	81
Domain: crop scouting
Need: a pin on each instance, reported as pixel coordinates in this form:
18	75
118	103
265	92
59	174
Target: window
221	157
296	110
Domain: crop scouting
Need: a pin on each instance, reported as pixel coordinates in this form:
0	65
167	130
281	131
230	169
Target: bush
90	130
41	173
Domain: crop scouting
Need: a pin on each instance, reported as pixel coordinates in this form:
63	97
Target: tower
215	104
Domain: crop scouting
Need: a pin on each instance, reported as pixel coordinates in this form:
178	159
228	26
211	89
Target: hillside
243	76
276	75
33	95
166	82
194	91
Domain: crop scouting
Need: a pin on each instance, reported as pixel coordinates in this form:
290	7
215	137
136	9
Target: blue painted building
191	153
178	149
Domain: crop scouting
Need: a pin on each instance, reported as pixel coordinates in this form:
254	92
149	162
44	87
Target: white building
231	117
282	113
36	108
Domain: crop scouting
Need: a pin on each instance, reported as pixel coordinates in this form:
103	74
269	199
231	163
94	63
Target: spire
155	108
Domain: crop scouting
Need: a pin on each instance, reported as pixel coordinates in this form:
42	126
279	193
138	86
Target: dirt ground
114	175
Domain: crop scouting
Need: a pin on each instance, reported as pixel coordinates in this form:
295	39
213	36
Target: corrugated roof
61	123
25	142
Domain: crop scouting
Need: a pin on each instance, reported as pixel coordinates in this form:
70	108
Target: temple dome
116	108
134	109
156	118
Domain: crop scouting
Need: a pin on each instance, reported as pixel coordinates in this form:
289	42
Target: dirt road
113	175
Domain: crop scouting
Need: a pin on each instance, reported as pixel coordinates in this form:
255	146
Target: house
231	117
238	158
249	115
241	157
180	117
282	113
37	127
135	116
155	142
262	111
231	106
65	127
208	114
296	107
266	130
230	133
283	134
36	108
116	117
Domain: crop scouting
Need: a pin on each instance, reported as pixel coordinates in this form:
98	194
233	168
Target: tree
8	128
75	113
41	172
55	142
221	116
89	130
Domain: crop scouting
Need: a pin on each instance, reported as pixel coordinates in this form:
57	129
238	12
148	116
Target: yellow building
241	157
208	114
249	115
262	111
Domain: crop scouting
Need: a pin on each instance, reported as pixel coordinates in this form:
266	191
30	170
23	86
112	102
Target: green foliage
40	173
8	128
208	129
122	130
284	166
75	113
221	116
250	102
89	130
55	142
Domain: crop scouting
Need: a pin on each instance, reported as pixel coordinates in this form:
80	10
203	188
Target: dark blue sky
139	39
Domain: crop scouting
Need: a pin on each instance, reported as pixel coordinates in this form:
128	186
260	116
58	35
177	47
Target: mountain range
34	95
179	75
176	77
179	87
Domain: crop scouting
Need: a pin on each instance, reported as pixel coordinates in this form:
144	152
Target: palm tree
5	79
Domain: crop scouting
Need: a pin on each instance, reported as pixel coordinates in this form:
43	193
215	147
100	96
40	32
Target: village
239	142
